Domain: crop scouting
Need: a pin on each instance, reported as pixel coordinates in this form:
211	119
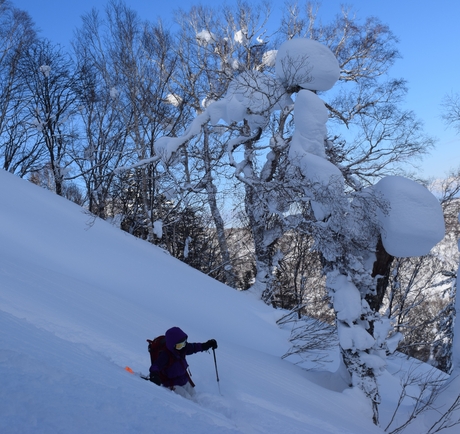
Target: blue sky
428	31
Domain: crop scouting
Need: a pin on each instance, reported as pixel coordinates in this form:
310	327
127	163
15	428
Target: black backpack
156	347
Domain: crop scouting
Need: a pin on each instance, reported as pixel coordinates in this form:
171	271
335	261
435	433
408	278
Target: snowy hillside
79	297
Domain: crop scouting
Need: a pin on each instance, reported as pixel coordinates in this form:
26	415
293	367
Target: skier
169	366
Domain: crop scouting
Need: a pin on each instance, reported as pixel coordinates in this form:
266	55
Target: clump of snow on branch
158	228
269	58
306	63
240	37
174	99
45	70
319	173
252	96
235	64
413	222
166	146
310	116
187	247
382	329
346	298
354	337
295	66
114	92
205	37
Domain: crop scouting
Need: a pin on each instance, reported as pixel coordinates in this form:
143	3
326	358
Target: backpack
155	347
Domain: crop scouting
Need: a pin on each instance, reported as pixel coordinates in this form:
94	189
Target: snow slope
78	298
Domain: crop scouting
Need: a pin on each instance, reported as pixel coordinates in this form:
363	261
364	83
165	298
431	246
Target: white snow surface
78	299
412	220
306	63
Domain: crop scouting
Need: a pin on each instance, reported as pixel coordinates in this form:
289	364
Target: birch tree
104	134
51	103
213	48
129	63
19	150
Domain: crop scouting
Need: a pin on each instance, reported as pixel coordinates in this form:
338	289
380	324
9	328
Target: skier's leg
186	391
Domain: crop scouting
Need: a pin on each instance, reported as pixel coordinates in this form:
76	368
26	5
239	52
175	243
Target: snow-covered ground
78	299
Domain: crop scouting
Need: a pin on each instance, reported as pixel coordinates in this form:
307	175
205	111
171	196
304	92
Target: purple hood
173	336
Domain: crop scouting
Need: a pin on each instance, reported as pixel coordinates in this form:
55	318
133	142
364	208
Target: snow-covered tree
215	47
352	232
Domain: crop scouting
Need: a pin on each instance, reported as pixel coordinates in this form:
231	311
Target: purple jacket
171	363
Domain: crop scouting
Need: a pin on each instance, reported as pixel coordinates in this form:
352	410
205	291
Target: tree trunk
381	272
364	378
211	191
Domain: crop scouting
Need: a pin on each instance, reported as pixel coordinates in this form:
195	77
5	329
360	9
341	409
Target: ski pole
217	373
215	363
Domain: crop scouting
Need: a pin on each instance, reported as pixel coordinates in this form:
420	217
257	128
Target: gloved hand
155	378
212	343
